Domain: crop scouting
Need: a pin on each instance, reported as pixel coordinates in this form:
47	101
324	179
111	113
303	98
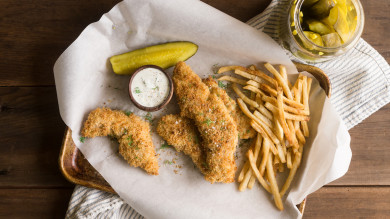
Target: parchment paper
85	81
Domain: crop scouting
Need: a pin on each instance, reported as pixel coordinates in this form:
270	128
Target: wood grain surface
34	33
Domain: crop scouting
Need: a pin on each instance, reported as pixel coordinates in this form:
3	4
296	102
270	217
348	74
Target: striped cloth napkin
359	78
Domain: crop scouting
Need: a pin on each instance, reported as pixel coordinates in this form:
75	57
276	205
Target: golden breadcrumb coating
244	127
132	133
215	125
181	133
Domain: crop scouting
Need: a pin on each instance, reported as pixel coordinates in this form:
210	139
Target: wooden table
34	33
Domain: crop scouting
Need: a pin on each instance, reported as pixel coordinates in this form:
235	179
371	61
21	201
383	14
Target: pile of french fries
279	112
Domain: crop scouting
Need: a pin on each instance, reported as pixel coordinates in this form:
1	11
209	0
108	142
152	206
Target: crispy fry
248	174
289	163
249	76
293	170
305	99
281	117
286	108
283	73
243	171
243	97
274	93
278	130
262	130
264	119
280	80
254	90
253	83
257	173
265	152
256	73
252	67
232	79
265	112
273	184
290	116
253	97
281	155
225	69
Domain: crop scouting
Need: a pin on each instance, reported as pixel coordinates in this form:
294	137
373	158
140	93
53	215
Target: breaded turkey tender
244	128
181	133
132	133
215	125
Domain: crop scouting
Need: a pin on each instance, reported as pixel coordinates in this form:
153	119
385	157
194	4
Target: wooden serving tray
78	170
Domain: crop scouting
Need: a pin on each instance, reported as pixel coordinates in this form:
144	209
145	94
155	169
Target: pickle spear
331	40
322	8
319	27
314	37
164	55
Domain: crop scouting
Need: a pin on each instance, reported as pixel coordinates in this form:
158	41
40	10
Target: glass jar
298	43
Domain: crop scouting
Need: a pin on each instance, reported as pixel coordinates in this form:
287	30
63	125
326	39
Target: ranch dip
150	87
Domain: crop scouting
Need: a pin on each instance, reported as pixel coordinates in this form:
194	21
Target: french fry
253	83
293	170
249	76
257	73
256	172
293	133
305	99
265	112
232	79
258	159
288	159
279	130
254	90
248	174
283	73
264	119
265	132
281	116
297	98
226	69
290	116
252	67
265	152
244	97
280	80
281	155
259	100
273	184
286	108
252	97
274	93
243	171
300	136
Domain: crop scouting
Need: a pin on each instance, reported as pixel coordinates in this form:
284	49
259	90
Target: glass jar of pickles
319	30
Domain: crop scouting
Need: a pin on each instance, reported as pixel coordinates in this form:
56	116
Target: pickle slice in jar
332	18
319	27
351	18
309	3
341	26
322	8
292	10
331	40
314	37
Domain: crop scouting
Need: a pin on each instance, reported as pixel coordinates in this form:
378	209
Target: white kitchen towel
359	78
